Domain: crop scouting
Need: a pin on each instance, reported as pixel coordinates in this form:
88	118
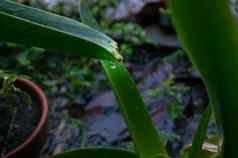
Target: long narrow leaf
97	153
209	34
144	134
200	134
34	27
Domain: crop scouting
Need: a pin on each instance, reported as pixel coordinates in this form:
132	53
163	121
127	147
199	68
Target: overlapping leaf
34	27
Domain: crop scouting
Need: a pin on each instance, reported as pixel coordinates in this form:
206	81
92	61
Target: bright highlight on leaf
34	27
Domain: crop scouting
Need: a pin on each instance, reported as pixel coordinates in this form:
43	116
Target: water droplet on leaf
113	67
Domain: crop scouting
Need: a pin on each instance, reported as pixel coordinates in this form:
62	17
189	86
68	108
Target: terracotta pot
33	144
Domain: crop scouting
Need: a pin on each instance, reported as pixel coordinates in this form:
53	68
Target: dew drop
113	67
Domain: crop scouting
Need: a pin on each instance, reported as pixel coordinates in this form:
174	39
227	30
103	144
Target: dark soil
26	119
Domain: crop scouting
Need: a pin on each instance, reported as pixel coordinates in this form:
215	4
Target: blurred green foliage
50	71
175	92
128	34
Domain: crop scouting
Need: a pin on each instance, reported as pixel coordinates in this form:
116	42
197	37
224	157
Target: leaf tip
115	52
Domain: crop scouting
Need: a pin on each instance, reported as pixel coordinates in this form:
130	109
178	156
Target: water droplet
113	67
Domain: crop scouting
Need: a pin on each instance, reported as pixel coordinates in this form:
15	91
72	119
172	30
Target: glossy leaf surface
34	27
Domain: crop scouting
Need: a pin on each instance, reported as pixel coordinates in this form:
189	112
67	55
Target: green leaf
144	134
97	153
208	32
200	135
34	27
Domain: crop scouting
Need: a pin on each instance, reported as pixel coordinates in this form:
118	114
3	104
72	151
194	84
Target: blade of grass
144	134
209	33
200	134
34	27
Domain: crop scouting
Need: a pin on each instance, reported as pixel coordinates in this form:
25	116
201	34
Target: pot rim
43	103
